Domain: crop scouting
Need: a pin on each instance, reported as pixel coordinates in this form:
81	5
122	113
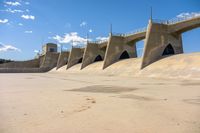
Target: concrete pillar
75	56
116	46
63	59
91	52
157	39
50	60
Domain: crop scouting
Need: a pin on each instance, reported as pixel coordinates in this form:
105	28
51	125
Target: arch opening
80	60
124	55
190	41
169	50
139	48
98	58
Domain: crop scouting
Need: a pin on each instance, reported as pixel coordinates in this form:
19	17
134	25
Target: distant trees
5	61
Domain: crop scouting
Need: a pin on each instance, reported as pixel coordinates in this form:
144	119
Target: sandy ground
78	103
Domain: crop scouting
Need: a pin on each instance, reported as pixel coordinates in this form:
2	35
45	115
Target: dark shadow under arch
80	60
124	55
98	58
169	50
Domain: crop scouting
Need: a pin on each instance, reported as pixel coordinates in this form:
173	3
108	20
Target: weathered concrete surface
63	59
49	47
43	64
75	56
50	60
24	70
180	66
157	39
22	64
92	51
184	26
116	46
160	36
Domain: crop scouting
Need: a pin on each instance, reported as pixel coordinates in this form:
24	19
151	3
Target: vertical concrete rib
116	46
91	52
63	59
75	56
157	39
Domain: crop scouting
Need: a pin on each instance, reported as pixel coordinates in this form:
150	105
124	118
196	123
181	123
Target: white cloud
12	3
13	11
28	17
90	30
59	45
36	51
73	38
102	38
27	10
20	24
6	48
3	21
83	24
28	31
188	15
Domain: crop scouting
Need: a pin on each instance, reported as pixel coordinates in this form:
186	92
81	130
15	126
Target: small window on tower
51	50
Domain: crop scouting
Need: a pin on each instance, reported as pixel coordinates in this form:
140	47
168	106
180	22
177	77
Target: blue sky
25	25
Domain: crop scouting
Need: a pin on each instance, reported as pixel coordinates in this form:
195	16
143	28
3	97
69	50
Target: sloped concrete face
50	60
63	59
116	46
92	52
157	40
75	56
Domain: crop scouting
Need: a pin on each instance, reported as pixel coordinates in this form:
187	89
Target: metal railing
79	46
98	42
131	33
178	19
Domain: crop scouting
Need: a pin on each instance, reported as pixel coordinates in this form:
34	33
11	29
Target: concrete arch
98	58
63	59
159	34
92	51
116	46
157	39
124	55
75	57
80	60
169	50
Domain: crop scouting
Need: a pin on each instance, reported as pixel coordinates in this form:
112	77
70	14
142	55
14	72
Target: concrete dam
163	54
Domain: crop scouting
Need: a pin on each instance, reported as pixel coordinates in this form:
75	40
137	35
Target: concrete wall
157	38
91	52
63	59
116	46
75	55
23	70
22	64
50	60
43	64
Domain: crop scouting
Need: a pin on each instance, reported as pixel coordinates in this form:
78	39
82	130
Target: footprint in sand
87	105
